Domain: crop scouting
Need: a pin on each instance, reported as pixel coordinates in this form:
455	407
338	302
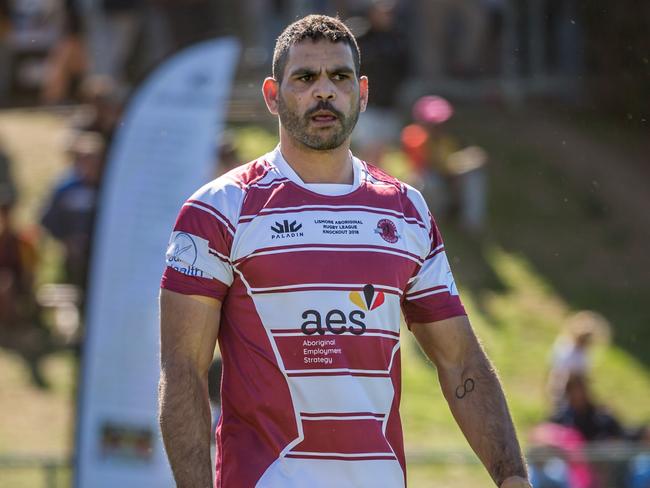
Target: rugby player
299	264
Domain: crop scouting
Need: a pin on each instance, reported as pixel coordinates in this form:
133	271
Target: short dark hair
314	27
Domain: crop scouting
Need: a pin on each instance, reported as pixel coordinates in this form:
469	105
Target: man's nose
324	89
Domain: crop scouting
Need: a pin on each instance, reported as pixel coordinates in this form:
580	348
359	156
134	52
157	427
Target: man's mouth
323	116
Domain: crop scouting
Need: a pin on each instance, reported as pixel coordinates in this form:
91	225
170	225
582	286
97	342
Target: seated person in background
17	263
17	256
20	327
451	176
570	354
580	412
596	423
70	214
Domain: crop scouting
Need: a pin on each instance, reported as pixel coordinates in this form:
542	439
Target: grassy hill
554	246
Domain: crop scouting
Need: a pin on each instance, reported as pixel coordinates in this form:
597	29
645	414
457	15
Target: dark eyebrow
343	69
302	72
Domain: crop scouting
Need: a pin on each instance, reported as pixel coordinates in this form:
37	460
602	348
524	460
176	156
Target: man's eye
340	77
305	78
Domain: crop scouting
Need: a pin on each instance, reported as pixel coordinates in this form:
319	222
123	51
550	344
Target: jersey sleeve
431	294
198	254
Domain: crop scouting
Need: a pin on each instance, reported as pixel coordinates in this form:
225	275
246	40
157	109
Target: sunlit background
531	145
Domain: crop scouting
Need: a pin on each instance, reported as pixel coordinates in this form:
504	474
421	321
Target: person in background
575	442
186	21
14	269
69	216
386	62
20	327
112	27
597	424
67	61
570	353
227	154
8	192
5	54
103	106
451	35
450	175
580	411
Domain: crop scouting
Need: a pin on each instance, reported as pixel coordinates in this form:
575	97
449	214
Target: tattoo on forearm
465	388
478	403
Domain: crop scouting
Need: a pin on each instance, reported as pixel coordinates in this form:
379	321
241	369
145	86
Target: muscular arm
188	333
475	397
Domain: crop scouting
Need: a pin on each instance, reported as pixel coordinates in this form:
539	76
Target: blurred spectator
186	21
385	61
15	262
578	424
17	267
5	73
67	61
451	176
69	216
36	25
227	155
20	325
451	36
7	185
580	412
103	105
596	423
570	353
113	27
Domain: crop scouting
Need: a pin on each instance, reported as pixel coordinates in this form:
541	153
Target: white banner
164	150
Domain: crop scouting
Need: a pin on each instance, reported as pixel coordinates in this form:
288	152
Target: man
299	263
69	215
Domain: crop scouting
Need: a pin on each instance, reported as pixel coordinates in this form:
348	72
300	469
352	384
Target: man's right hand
516	482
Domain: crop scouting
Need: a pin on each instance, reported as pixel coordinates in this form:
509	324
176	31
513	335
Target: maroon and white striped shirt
312	280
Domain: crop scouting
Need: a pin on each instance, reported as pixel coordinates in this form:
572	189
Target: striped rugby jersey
312	279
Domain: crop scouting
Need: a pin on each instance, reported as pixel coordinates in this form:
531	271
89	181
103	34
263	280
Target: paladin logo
337	321
285	229
387	231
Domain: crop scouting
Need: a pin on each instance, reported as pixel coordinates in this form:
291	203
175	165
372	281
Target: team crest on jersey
368	300
387	230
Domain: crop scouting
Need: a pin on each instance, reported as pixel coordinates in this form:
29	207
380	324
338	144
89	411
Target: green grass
546	253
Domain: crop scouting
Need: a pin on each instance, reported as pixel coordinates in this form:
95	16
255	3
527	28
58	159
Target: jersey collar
276	158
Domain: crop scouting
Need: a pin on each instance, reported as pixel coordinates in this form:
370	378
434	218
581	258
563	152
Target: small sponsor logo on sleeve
182	254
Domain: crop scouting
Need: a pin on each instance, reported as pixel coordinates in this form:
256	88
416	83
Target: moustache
322	105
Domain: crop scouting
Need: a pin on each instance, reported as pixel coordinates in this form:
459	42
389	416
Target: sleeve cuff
178	282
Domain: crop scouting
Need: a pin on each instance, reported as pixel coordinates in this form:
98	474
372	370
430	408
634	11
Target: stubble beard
299	126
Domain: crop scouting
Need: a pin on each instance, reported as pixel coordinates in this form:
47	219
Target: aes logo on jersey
337	321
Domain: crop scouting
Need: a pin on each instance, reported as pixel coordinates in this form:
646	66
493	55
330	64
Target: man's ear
271	92
363	93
